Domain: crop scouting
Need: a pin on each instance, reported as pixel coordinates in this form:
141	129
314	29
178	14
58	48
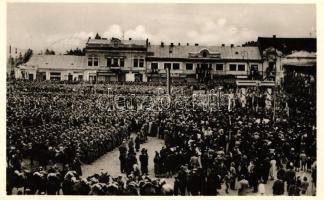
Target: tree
28	54
76	52
250	44
19	60
49	52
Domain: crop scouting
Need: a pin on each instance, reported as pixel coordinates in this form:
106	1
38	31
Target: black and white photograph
160	99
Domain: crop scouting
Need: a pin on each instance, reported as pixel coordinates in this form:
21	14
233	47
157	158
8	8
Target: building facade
281	55
194	63
115	60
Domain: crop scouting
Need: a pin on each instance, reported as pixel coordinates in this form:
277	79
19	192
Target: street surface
110	163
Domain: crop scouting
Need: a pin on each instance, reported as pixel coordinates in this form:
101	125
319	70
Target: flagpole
274	101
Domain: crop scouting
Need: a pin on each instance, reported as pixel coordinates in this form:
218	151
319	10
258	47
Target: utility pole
168	69
168	80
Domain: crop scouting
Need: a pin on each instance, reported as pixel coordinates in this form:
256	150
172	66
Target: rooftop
115	41
225	52
56	61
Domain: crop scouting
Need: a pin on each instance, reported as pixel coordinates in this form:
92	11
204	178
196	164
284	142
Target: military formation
250	139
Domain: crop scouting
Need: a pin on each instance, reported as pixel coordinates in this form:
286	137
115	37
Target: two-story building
202	63
117	60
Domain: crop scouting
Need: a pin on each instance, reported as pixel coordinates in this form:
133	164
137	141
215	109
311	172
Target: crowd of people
240	145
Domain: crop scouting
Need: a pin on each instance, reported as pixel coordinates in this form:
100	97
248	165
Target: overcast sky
62	26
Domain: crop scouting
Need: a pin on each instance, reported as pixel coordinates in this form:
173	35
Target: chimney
232	45
171	44
130	38
187	44
196	44
223	45
162	44
179	44
274	36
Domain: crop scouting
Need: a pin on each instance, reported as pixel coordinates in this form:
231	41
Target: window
241	67
204	54
122	62
167	65
135	62
55	73
254	67
154	66
90	61
115	62
176	66
141	62
95	61
232	67
219	67
109	62
189	66
55	76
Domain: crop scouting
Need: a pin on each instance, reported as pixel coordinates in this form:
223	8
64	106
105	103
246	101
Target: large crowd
240	145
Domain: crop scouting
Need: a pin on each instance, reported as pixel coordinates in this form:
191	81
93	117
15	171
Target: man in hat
144	161
182	177
194	182
123	156
290	175
137	142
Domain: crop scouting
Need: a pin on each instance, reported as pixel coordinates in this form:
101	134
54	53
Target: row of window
237	67
115	62
189	66
57	76
139	62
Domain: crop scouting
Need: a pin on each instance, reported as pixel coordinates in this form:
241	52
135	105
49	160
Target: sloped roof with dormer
225	52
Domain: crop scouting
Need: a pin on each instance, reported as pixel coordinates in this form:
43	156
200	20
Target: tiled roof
226	52
57	61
